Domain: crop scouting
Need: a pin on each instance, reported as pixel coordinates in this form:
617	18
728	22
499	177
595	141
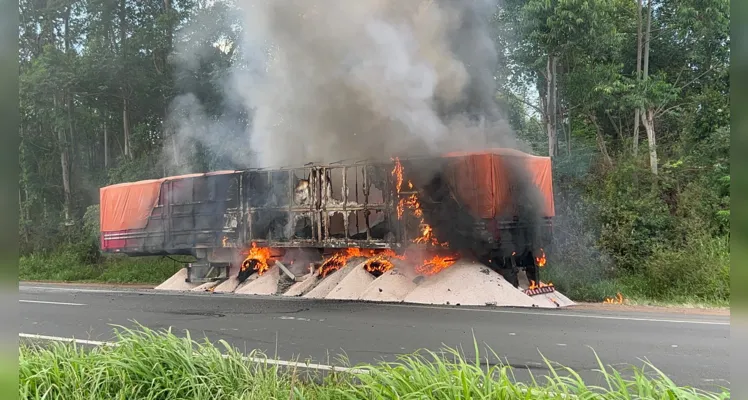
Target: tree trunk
568	135
647	117
638	72
601	141
550	106
106	141
65	165
126	127
123	57
648	122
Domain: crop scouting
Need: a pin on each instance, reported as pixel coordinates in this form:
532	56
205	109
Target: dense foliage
630	98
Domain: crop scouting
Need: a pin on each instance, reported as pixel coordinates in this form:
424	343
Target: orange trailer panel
481	180
127	206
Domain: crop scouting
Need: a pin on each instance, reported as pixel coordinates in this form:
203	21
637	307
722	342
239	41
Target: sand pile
393	285
326	285
468	283
266	283
306	284
207	286
177	282
228	286
353	284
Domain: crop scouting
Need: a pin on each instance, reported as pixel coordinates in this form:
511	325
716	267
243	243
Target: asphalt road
692	349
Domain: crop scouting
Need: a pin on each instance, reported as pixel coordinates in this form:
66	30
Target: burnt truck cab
473	201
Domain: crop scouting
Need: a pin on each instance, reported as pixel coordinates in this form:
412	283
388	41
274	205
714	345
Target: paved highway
691	349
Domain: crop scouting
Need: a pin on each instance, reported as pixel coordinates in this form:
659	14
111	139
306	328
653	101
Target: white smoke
328	80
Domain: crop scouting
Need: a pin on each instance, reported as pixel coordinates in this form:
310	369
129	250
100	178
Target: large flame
412	203
379	264
378	260
540	261
257	259
436	264
534	285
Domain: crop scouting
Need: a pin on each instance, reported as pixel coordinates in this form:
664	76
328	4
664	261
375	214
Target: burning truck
494	205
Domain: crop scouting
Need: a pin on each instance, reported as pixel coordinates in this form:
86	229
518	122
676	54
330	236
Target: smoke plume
331	80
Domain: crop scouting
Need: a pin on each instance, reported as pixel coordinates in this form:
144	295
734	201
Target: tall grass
147	364
69	266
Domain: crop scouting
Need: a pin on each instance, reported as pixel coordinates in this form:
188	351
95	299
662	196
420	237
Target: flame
533	285
397	172
257	259
379	264
617	300
411	203
340	258
436	264
225	241
540	261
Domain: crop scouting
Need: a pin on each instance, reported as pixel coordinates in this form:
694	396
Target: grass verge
70	267
149	364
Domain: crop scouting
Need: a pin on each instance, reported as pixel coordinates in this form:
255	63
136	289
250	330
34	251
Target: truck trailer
496	204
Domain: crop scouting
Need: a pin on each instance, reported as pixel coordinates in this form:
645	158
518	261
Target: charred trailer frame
321	206
216	216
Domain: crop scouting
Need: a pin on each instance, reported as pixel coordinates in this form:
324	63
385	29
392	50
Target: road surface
692	349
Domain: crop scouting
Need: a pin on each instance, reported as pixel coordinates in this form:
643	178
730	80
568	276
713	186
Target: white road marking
421	306
568	315
66	340
295	318
318	367
50	302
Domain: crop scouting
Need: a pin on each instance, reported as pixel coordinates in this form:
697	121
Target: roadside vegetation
149	364
630	98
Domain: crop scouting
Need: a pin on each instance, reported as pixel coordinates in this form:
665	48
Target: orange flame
411	203
397	172
533	285
340	258
379	264
436	264
379	260
540	261
617	300
257	259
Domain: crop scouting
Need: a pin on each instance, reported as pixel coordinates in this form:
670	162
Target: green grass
149	364
696	275
69	267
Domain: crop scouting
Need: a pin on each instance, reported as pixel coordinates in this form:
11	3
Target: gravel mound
227	286
468	283
352	285
329	283
177	282
394	285
265	284
308	282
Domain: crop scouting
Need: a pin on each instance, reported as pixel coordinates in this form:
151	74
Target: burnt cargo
474	199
